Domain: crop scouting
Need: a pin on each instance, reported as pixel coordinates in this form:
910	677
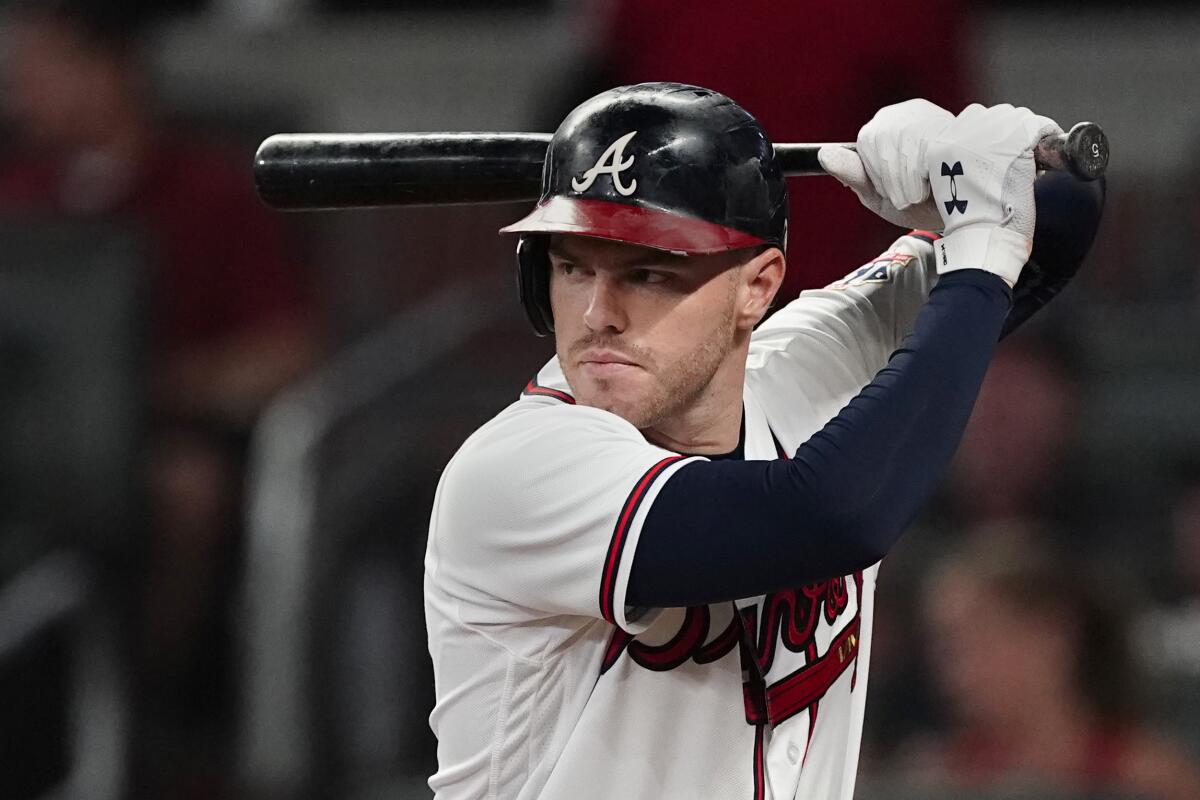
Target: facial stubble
678	385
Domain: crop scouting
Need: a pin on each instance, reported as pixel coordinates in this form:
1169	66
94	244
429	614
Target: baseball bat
323	171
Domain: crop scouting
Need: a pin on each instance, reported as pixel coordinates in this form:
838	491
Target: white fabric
887	167
991	152
520	534
998	250
984	208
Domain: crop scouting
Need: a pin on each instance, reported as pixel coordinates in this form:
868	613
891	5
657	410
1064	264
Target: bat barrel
316	171
368	170
328	171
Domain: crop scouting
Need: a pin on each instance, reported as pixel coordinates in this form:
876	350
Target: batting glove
887	167
981	169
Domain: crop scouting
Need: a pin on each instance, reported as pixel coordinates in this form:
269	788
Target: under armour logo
954	204
613	162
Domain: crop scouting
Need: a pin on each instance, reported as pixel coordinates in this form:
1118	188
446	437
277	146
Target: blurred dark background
221	427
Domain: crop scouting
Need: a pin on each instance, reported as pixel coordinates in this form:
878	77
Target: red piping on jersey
760	782
616	645
753	688
813	710
805	686
608	580
532	388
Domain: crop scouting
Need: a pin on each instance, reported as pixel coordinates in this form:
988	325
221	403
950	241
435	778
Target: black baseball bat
322	171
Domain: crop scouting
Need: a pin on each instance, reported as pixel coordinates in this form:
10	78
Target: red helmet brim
648	227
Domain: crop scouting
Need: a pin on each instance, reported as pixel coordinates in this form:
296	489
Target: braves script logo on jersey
954	204
793	670
611	162
787	670
694	635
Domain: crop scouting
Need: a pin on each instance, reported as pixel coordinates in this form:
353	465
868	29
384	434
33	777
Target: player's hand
887	167
982	171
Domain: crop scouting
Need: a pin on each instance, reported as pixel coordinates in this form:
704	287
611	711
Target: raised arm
736	529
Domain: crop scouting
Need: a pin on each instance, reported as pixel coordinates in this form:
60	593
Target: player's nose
605	311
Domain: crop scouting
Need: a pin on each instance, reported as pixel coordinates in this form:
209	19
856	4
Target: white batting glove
981	170
887	169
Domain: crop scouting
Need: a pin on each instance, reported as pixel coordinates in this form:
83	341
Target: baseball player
652	575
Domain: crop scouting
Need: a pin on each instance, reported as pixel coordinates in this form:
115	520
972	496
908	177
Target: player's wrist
1000	251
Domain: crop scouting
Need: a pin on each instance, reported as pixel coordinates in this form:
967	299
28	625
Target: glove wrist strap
999	251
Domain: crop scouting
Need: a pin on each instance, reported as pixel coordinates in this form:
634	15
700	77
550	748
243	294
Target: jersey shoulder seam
532	661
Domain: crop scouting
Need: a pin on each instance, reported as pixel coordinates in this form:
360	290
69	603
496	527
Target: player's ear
759	281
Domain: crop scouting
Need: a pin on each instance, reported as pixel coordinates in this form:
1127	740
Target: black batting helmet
663	165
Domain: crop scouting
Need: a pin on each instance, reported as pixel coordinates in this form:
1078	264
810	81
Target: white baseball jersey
549	685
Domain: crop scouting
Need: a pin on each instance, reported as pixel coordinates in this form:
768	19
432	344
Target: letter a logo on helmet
613	162
707	182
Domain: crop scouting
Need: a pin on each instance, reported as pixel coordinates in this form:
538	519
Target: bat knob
1081	151
1086	151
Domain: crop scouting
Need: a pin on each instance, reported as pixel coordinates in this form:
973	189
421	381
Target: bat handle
1081	151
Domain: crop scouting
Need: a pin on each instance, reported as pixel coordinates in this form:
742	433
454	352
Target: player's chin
622	392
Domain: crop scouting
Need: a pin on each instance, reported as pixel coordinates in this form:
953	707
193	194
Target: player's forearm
724	530
1068	216
879	460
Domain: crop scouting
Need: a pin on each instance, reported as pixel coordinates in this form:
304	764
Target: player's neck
713	424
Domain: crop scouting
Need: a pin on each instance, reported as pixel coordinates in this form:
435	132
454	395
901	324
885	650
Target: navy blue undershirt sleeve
722	530
1068	216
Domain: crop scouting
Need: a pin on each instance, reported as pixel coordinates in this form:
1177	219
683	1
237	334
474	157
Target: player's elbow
861	551
862	538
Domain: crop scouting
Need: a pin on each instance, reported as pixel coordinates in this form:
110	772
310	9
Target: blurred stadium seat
336	680
70	411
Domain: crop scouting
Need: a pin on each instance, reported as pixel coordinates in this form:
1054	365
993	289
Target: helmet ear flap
533	281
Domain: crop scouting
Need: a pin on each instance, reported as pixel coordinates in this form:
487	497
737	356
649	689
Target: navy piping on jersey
725	529
608	581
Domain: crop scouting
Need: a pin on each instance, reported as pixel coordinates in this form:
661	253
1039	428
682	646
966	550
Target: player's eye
650	276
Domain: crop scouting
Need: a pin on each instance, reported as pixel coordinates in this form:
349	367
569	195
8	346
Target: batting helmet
663	165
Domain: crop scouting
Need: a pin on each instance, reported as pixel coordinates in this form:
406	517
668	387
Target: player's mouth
606	363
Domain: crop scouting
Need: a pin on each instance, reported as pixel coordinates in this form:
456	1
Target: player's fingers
845	165
913	184
923	216
914	181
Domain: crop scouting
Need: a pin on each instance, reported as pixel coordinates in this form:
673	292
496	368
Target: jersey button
793	753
